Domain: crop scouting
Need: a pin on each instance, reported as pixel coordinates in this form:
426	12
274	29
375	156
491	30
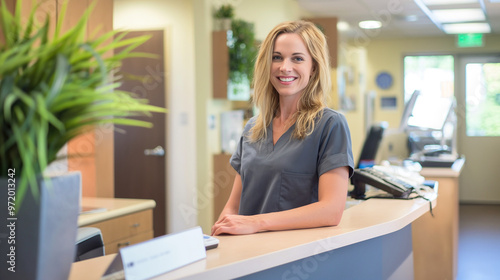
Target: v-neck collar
270	133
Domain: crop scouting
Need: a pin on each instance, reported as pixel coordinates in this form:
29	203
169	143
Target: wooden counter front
435	238
122	221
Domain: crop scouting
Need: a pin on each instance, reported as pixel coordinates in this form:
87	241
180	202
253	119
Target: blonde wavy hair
313	99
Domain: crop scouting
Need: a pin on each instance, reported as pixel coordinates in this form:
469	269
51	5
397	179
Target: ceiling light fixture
447	2
411	18
370	24
458	15
342	26
458	28
428	13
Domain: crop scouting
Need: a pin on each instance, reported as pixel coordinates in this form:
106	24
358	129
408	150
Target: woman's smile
287	80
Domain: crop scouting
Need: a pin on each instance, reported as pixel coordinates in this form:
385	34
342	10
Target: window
432	75
482	99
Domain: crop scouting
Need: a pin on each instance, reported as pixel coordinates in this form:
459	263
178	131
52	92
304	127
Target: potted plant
242	54
52	89
223	16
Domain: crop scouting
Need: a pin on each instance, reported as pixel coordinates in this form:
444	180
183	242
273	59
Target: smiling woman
294	159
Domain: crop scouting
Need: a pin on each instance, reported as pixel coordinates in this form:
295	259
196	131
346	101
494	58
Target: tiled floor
479	242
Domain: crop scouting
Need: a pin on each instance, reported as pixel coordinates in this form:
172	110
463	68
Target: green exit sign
470	40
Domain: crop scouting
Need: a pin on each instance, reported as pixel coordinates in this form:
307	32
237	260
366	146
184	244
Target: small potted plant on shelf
223	16
52	89
242	54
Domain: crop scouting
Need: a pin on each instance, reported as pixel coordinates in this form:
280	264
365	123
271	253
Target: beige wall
265	14
351	68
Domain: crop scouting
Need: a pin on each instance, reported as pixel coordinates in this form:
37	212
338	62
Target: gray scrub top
285	176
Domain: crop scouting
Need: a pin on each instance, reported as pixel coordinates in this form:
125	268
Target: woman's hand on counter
237	224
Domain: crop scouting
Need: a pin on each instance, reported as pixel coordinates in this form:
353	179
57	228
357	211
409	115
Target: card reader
210	242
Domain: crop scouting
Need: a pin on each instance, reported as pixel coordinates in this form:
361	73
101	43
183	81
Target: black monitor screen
370	147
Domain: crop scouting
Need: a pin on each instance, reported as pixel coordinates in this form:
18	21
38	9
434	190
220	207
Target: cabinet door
114	247
126	230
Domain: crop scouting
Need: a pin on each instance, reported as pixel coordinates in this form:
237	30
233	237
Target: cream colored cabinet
126	230
122	221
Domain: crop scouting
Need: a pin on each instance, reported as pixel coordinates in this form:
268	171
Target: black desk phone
398	187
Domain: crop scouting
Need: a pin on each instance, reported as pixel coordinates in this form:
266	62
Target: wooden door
139	173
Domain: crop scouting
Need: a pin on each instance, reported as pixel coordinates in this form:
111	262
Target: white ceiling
393	14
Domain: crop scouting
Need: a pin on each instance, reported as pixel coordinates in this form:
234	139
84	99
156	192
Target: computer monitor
430	113
371	145
430	123
423	112
368	154
408	110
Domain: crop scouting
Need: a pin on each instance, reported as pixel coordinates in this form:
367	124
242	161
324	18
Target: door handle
158	151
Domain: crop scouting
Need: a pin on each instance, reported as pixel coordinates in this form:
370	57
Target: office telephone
393	180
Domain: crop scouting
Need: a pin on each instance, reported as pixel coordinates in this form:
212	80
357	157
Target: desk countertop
453	171
240	255
112	208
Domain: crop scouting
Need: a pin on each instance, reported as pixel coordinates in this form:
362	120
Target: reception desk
373	241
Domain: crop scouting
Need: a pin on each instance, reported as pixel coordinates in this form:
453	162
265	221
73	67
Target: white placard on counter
158	255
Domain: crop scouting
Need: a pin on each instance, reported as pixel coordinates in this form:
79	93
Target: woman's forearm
332	194
316	214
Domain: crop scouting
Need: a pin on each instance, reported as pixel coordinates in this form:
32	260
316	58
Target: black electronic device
371	145
378	179
89	244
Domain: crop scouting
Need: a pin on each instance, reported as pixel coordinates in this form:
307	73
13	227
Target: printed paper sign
162	254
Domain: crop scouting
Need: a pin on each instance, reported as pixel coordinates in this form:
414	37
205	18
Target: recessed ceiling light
458	15
370	24
447	2
458	28
342	26
411	18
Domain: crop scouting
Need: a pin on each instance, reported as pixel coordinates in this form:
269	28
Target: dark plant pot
38	242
